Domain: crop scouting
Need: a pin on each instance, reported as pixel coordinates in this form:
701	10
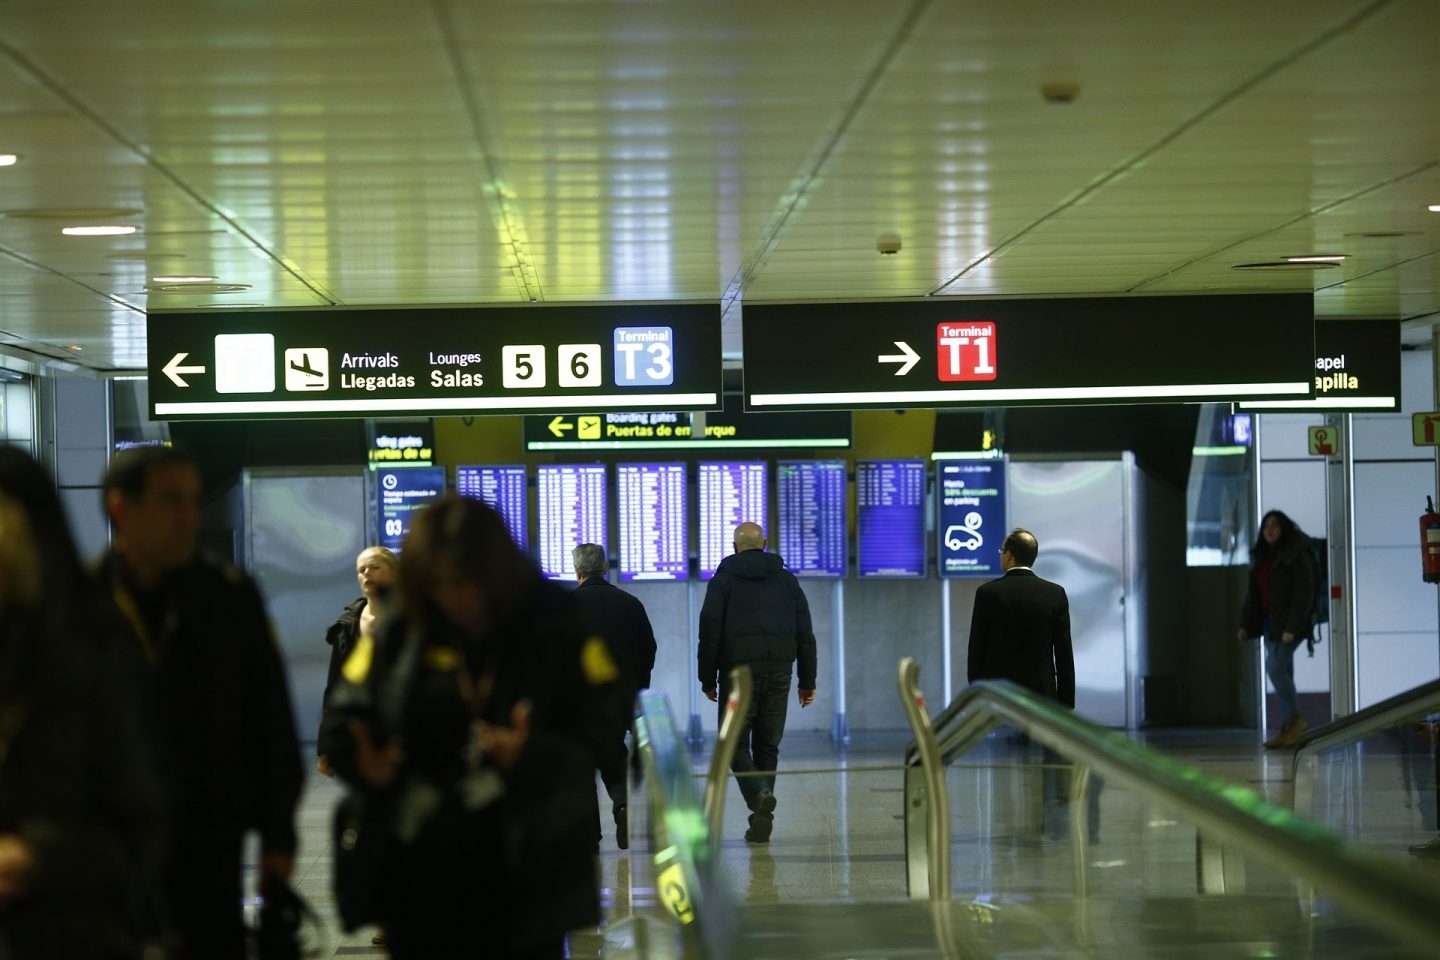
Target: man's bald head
1022	547
749	536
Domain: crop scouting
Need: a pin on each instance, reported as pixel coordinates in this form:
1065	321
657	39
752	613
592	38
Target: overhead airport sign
433	362
1357	368
990	353
730	428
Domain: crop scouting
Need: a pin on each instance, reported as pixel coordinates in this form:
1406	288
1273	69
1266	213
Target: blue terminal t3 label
644	356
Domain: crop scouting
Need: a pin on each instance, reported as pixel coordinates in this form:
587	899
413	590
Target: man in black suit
621	621
1020	629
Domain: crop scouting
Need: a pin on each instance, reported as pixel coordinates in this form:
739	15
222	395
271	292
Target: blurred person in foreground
375	571
473	722
620	619
221	725
79	810
1278	608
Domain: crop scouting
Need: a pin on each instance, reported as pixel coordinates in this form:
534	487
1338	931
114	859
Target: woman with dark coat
475	717
375	571
79	806
1279	606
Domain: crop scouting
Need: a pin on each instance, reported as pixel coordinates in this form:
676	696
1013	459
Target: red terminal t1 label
966	351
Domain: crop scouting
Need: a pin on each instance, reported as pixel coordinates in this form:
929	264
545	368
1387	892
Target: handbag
277	935
362	835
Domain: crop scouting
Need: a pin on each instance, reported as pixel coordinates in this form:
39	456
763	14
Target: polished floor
839	837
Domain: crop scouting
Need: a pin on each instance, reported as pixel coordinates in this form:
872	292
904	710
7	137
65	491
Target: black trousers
759	746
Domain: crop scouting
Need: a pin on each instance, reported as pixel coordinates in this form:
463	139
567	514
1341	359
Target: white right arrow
907	357
173	369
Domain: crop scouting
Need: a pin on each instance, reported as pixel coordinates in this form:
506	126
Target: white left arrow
173	369
907	357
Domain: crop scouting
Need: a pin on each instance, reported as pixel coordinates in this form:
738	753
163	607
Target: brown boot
1277	741
1294	730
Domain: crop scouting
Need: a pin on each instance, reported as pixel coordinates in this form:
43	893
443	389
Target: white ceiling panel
320	152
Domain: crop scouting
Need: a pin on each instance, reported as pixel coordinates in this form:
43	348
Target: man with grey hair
755	613
620	620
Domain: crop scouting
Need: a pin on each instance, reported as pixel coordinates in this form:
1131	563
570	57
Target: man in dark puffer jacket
756	614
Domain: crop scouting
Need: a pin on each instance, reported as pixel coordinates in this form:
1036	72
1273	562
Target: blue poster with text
970	520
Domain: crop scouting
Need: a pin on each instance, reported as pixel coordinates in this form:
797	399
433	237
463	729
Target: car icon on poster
965	536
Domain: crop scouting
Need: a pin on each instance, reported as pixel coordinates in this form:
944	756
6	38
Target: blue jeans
759	746
1280	668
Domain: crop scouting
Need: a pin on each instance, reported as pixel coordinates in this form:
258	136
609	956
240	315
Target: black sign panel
730	428
1357	368
948	353
433	362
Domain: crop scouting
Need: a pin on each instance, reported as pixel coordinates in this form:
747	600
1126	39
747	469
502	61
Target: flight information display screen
890	518
571	504
652	521
811	501
503	487
401	491
730	494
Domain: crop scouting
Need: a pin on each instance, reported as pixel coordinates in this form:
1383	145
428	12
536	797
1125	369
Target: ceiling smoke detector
888	244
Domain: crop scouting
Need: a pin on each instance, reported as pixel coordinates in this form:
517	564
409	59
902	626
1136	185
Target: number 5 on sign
579	364
967	351
522	367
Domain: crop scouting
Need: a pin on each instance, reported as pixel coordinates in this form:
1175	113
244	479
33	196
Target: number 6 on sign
579	365
522	367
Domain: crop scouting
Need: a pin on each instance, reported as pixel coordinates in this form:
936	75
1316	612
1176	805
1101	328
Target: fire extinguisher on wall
1430	543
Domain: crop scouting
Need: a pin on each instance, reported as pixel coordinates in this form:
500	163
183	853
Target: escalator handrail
684	849
1373	719
1396	895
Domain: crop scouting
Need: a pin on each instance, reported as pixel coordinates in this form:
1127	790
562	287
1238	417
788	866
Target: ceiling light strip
374	407
505	212
1185	391
801	185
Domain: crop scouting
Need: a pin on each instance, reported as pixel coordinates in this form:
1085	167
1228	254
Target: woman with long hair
1279	607
79	808
472	720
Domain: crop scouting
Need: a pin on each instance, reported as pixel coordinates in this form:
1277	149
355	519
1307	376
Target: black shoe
765	803
622	828
761	824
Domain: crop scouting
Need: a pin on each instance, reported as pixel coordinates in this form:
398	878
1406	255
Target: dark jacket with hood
1292	593
755	613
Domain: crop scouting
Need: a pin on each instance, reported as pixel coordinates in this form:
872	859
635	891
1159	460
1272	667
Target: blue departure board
890	518
571	504
400	492
730	494
503	487
970	519
811	501
653	544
